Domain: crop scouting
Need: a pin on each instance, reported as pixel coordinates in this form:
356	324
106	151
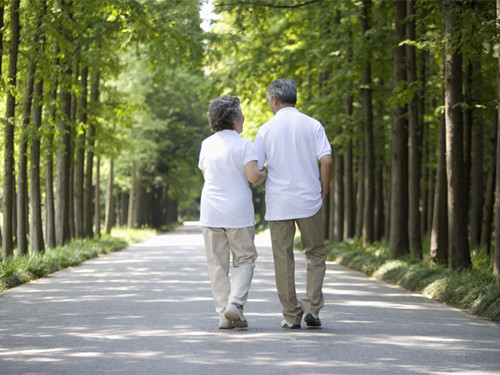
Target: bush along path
475	290
16	270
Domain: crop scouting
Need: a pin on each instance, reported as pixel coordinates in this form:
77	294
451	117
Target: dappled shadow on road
149	310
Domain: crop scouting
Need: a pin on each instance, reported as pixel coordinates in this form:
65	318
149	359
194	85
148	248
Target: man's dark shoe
312	320
285	324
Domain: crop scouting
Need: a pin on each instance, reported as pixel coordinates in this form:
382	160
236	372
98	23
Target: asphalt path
148	310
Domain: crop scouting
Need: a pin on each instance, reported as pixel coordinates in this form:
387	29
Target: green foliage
475	291
17	270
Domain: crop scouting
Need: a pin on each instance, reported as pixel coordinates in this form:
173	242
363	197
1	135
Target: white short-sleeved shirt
290	145
226	198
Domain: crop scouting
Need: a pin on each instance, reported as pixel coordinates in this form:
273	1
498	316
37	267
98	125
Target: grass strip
475	291
16	270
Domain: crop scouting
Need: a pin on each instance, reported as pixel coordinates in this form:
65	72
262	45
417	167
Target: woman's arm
254	175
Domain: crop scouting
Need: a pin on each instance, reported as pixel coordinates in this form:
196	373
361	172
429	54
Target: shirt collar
287	109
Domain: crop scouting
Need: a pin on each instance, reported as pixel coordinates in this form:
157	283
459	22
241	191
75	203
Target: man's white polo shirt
290	145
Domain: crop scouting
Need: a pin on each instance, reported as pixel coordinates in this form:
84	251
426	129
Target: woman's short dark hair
284	89
223	112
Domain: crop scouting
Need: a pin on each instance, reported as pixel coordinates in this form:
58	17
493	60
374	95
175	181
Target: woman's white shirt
226	198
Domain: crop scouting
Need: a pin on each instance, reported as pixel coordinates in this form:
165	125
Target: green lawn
475	291
17	270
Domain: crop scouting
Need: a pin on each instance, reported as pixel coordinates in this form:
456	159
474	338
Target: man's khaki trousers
282	236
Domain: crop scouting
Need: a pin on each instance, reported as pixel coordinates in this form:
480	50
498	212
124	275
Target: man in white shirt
290	145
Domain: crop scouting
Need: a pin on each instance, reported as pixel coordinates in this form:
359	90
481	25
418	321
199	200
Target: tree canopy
117	91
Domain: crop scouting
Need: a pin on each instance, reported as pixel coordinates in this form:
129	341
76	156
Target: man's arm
325	174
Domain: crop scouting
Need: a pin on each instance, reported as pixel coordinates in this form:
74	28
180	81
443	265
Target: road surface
148	310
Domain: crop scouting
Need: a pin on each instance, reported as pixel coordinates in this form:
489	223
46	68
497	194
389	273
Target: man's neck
281	106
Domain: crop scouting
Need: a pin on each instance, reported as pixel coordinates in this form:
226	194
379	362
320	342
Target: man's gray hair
223	112
284	89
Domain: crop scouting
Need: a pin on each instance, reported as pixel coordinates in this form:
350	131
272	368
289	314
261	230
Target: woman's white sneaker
235	315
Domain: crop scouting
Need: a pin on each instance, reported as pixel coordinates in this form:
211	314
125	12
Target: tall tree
489	197
50	221
2	7
22	180
439	232
62	216
97	200
132	205
496	262
80	156
369	175
398	241
414	166
8	193
457	210
36	228
475	126
89	165
110	206
338	190
36	232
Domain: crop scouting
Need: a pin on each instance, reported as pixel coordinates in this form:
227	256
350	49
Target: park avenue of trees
103	111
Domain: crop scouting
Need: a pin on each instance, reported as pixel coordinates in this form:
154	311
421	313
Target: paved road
148	310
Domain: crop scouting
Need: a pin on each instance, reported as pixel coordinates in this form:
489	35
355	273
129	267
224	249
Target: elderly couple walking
283	158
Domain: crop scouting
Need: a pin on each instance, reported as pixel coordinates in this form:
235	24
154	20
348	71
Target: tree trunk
338	197
414	166
427	171
63	160
36	235
91	133
489	197
349	223
22	180
9	180
73	135
349	189
131	222
97	201
2	6
360	195
110	207
477	177
369	175
36	228
49	179
430	183
496	262
379	199
64	138
2	11
78	188
467	134
457	210
439	233
172	210
398	241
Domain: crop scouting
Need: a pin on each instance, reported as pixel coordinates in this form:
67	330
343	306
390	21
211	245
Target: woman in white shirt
228	162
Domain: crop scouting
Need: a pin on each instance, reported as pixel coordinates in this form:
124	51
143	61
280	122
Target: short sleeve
249	153
201	158
260	150
321	142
